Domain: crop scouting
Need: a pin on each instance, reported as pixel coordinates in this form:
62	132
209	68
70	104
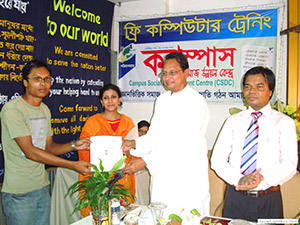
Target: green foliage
289	110
175	217
234	110
91	188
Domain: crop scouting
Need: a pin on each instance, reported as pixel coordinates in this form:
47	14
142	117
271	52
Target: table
89	220
61	207
188	219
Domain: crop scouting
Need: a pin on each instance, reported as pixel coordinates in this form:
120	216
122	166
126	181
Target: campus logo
126	53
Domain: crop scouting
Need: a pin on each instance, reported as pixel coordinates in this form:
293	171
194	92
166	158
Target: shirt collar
266	110
179	92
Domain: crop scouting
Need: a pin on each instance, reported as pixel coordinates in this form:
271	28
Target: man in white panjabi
175	148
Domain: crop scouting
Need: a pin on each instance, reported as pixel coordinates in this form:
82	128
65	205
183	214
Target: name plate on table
106	148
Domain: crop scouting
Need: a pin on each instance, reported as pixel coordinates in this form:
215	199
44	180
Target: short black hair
267	74
29	66
32	64
180	58
143	123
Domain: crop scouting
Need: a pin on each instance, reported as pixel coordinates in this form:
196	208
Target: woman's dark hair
267	74
143	123
110	86
33	64
180	58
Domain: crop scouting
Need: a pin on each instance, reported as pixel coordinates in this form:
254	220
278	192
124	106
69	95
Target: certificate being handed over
106	148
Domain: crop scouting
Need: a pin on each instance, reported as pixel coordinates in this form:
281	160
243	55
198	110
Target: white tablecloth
145	217
142	186
61	207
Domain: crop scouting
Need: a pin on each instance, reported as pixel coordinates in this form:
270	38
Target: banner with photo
74	39
220	48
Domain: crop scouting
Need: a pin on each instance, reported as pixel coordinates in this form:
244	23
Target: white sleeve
288	158
221	153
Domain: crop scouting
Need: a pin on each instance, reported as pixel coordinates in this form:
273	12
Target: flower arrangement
289	110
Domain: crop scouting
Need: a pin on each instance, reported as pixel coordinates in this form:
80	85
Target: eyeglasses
39	79
172	73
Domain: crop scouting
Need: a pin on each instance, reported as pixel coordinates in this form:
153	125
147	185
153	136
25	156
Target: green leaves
175	217
91	188
278	106
234	110
195	212
289	110
100	165
117	165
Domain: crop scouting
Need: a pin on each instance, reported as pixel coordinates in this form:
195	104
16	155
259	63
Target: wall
143	9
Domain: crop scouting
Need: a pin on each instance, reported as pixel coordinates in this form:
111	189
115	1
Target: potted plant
91	188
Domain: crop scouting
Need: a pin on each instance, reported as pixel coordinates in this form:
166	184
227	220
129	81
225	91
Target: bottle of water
115	212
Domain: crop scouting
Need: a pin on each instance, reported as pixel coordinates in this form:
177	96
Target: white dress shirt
276	151
175	151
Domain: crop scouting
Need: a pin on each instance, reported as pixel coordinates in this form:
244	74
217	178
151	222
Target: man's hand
127	145
250	181
83	144
134	166
82	167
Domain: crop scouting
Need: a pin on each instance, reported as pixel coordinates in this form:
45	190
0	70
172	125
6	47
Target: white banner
233	43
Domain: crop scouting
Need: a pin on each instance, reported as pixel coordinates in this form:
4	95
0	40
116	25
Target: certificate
106	148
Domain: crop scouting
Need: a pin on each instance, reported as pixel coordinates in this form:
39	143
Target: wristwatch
73	146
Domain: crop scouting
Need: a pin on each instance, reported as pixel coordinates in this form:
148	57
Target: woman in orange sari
109	122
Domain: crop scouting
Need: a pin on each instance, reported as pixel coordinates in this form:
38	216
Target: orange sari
96	125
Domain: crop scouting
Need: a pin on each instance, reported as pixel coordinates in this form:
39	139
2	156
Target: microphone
118	175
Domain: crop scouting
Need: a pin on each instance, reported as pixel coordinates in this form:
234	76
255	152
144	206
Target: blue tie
248	163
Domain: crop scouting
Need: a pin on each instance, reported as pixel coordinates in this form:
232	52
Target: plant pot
99	219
